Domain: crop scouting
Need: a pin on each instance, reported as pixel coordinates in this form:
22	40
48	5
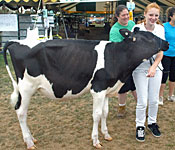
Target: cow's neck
116	58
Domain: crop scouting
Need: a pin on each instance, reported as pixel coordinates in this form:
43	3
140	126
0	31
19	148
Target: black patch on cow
18	55
67	65
99	81
18	104
102	80
116	62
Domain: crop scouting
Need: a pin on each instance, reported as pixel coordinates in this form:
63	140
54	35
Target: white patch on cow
32	84
100	48
32	38
134	39
41	83
144	60
69	94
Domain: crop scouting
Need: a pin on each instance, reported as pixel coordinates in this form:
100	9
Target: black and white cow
68	68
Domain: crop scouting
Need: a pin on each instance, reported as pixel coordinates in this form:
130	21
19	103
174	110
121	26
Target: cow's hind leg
98	102
104	128
26	93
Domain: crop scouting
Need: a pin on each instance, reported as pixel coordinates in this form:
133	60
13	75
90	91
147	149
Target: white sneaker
160	100
171	98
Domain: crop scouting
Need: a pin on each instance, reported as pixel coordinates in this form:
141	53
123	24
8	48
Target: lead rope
150	60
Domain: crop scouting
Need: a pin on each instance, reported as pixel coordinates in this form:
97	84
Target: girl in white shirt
147	78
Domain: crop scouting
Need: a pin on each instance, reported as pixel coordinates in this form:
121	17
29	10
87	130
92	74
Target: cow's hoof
35	141
108	139
98	146
31	148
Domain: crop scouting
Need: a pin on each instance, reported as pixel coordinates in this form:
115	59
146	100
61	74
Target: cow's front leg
98	102
104	128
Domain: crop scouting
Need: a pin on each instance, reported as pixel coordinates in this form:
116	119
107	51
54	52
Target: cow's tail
15	94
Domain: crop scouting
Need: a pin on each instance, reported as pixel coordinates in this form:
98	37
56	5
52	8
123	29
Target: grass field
67	125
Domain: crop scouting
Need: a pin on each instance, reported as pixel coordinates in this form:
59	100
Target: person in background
147	78
120	21
168	60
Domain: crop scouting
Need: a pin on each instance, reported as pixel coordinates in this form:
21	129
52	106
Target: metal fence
62	27
24	22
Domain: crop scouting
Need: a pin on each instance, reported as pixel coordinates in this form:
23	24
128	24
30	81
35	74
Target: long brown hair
151	5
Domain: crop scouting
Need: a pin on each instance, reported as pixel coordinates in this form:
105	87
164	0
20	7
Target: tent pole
61	14
39	4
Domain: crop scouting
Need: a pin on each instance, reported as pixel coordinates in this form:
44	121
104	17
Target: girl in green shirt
122	21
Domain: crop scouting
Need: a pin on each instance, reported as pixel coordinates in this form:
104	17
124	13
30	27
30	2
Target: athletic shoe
121	111
160	100
171	98
154	128
140	133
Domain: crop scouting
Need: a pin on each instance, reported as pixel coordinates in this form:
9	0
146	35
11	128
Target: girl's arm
152	69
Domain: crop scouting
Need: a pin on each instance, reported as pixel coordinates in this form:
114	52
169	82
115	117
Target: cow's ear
125	33
136	29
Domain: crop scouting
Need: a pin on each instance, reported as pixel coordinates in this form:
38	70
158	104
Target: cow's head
144	38
138	46
142	44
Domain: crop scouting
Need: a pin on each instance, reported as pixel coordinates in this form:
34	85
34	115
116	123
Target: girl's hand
151	71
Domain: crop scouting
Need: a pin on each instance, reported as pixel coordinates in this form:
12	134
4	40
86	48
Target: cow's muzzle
163	45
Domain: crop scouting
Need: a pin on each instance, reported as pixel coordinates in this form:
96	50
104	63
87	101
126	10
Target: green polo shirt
115	35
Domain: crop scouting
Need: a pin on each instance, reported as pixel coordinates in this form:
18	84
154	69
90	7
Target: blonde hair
148	7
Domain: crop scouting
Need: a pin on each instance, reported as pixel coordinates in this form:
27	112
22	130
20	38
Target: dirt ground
67	125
